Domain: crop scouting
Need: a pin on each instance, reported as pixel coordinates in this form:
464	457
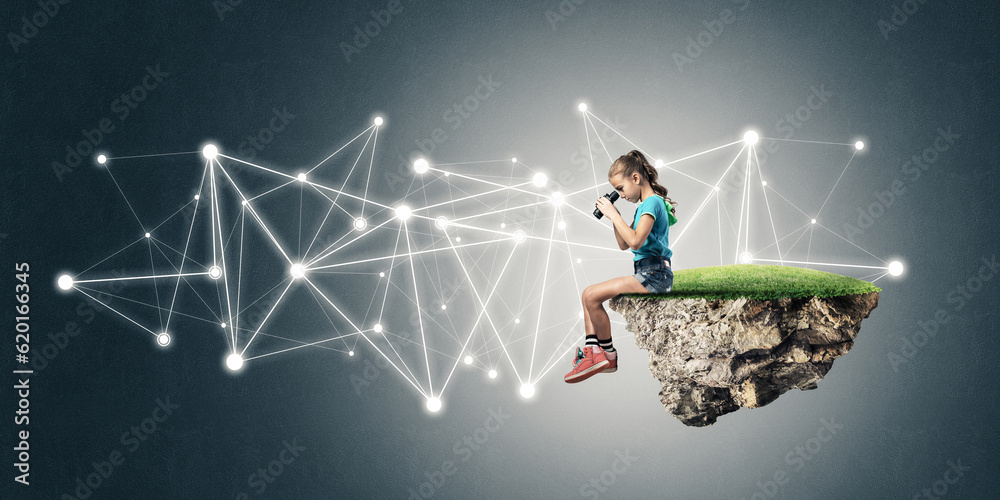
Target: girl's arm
621	242
634	239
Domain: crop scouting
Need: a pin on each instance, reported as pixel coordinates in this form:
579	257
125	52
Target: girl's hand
607	208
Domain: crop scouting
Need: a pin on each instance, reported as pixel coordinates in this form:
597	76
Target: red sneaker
612	362
588	363
612	365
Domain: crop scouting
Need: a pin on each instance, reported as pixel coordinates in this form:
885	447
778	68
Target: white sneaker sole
586	373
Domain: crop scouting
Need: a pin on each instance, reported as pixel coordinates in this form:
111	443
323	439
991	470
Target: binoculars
612	196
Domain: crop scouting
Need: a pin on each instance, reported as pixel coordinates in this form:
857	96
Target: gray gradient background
900	428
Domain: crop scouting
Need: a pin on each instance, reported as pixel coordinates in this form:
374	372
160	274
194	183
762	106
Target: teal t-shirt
658	241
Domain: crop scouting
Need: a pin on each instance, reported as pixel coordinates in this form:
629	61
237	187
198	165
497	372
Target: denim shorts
655	274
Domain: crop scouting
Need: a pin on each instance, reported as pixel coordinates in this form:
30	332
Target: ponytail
635	161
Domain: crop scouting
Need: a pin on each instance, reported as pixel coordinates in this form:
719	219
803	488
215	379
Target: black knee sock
606	345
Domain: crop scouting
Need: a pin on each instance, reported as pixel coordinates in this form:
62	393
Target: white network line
476	226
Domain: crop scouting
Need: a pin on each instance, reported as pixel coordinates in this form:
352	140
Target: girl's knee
591	298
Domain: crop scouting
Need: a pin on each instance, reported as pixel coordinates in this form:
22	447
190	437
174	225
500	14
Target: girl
635	180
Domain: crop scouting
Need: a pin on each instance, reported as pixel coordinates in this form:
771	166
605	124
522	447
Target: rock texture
713	357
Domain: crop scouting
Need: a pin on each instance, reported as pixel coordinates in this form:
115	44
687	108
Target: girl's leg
595	317
588	325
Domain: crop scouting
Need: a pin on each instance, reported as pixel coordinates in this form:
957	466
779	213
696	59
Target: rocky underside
713	357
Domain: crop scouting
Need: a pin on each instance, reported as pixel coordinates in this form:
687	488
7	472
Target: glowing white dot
527	390
163	339
517	320
746	258
579	261
245	202
444	306
441	222
659	163
148	235
377	328
350	353
360	223
540	179
65	282
513	160
582	106
493	374
210	151
859	145
234	362
403	212
561	225
557	198
750	138
197	196
446	174
716	188
301	177
503	225
519	236
762	183
420	166
378	120
297	271
468	360
812	221
458	239
433	404
223	325
381	275
215	272
895	268
102	159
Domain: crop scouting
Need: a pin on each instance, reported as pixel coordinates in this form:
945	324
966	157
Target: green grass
760	282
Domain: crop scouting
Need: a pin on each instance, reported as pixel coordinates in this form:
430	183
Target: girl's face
627	187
